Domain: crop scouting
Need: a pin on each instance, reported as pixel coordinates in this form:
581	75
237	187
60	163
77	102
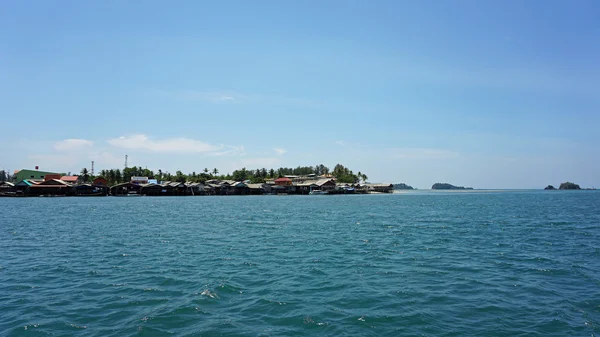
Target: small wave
78	326
210	294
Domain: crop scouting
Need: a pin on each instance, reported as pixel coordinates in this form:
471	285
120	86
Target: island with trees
569	186
446	186
402	186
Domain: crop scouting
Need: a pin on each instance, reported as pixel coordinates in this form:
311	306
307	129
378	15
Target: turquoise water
413	264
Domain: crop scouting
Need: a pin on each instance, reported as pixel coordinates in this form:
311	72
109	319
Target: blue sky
489	94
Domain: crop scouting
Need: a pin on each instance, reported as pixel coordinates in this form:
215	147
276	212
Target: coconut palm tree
85	175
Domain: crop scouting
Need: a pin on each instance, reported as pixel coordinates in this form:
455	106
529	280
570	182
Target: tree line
259	175
5	176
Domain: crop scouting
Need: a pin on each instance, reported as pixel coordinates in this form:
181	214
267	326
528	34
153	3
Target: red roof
69	179
278	180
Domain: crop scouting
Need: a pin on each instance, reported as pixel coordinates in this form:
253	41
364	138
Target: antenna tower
92	167
125	161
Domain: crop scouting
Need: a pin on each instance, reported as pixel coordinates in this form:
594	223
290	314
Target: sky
487	94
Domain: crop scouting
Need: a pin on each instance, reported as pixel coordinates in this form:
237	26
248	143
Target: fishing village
36	183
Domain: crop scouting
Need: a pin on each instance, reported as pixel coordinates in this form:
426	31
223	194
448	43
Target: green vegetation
5	176
446	186
569	186
402	186
340	172
85	175
549	187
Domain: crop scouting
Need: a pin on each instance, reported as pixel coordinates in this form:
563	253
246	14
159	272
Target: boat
317	192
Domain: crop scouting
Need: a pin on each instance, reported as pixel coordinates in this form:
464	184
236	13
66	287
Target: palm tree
85	174
215	171
205	170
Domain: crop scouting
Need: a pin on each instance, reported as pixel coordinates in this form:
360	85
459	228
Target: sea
416	263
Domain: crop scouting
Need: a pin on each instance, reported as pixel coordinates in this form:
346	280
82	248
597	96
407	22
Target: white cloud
229	151
340	143
73	144
173	145
280	151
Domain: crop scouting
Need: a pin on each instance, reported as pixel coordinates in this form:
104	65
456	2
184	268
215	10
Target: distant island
569	186
446	186
402	186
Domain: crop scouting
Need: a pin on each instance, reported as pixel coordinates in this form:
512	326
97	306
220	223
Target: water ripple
490	264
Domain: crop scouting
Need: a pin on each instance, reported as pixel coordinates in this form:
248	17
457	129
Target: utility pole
92	167
125	161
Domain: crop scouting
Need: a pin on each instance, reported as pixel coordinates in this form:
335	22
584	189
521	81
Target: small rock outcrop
550	187
446	186
569	186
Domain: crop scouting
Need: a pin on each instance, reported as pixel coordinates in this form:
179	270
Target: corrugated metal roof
52	183
322	182
69	178
306	184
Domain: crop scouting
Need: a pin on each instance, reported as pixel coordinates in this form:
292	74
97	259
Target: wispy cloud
340	143
205	96
173	145
73	144
280	151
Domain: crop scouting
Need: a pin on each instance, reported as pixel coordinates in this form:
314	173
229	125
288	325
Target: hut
195	188
7	188
276	189
380	188
23	187
70	179
306	187
152	189
125	189
90	190
325	184
256	189
178	188
100	181
52	187
284	181
237	188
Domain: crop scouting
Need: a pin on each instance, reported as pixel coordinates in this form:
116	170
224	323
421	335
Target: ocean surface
423	263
